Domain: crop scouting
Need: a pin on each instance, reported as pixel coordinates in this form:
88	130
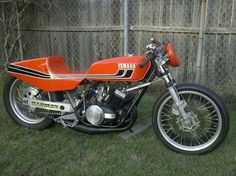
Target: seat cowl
56	65
48	73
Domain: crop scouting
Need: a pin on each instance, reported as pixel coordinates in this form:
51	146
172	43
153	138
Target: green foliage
59	151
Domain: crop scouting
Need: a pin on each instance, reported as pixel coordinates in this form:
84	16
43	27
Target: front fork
170	84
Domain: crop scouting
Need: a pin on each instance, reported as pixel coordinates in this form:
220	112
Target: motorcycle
187	118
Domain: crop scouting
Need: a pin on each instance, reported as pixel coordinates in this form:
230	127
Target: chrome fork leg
181	104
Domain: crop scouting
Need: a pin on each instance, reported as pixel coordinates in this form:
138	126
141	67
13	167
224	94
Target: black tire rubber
39	126
210	94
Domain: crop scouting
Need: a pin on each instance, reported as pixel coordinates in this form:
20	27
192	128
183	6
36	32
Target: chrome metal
94	114
166	79
100	93
205	126
71	116
120	94
175	96
160	61
190	127
138	87
72	102
84	102
159	66
151	46
171	78
30	92
68	117
141	86
17	92
48	105
180	104
109	116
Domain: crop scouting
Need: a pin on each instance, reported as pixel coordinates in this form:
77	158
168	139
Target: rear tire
212	122
22	114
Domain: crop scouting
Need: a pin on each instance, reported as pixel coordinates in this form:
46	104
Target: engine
106	103
99	114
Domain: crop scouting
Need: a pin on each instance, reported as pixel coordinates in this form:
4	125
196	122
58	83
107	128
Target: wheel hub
31	93
189	125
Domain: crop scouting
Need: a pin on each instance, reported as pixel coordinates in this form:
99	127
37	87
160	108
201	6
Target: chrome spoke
199	102
209	115
18	91
211	122
189	97
165	115
170	118
203	106
206	112
169	130
166	109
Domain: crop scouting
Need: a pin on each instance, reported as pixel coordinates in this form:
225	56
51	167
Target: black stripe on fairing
26	73
128	73
28	70
120	72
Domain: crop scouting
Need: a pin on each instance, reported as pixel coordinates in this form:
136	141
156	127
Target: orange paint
51	73
170	51
111	66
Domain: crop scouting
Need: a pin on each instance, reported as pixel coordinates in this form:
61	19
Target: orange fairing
170	51
51	73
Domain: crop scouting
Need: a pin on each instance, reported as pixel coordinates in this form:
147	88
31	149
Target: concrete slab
138	128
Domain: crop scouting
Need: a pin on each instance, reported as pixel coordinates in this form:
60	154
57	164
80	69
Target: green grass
59	151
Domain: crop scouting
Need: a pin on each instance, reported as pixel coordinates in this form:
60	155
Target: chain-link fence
219	54
84	31
81	31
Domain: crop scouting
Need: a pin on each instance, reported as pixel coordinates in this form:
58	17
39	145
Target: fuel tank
124	68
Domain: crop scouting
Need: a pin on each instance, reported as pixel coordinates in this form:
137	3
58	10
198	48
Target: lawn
61	151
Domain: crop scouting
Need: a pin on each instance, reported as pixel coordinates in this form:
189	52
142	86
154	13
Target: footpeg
65	120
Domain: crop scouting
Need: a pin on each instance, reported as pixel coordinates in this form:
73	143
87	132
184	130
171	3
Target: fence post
126	27
200	40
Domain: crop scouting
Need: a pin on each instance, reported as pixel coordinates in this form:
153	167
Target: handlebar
156	49
149	57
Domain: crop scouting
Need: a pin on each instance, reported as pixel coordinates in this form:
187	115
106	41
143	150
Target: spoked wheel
14	92
207	125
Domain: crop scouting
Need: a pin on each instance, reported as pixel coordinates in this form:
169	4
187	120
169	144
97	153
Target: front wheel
209	120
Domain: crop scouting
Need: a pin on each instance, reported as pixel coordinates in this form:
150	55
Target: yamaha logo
126	66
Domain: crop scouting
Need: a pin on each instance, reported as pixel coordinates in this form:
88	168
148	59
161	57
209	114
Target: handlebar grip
149	58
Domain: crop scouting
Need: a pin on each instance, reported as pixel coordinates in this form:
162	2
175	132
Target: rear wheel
14	92
208	116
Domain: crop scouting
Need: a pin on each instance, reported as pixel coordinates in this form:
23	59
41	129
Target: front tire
13	93
209	115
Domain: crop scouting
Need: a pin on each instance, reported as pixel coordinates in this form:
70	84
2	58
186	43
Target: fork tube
180	104
170	85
